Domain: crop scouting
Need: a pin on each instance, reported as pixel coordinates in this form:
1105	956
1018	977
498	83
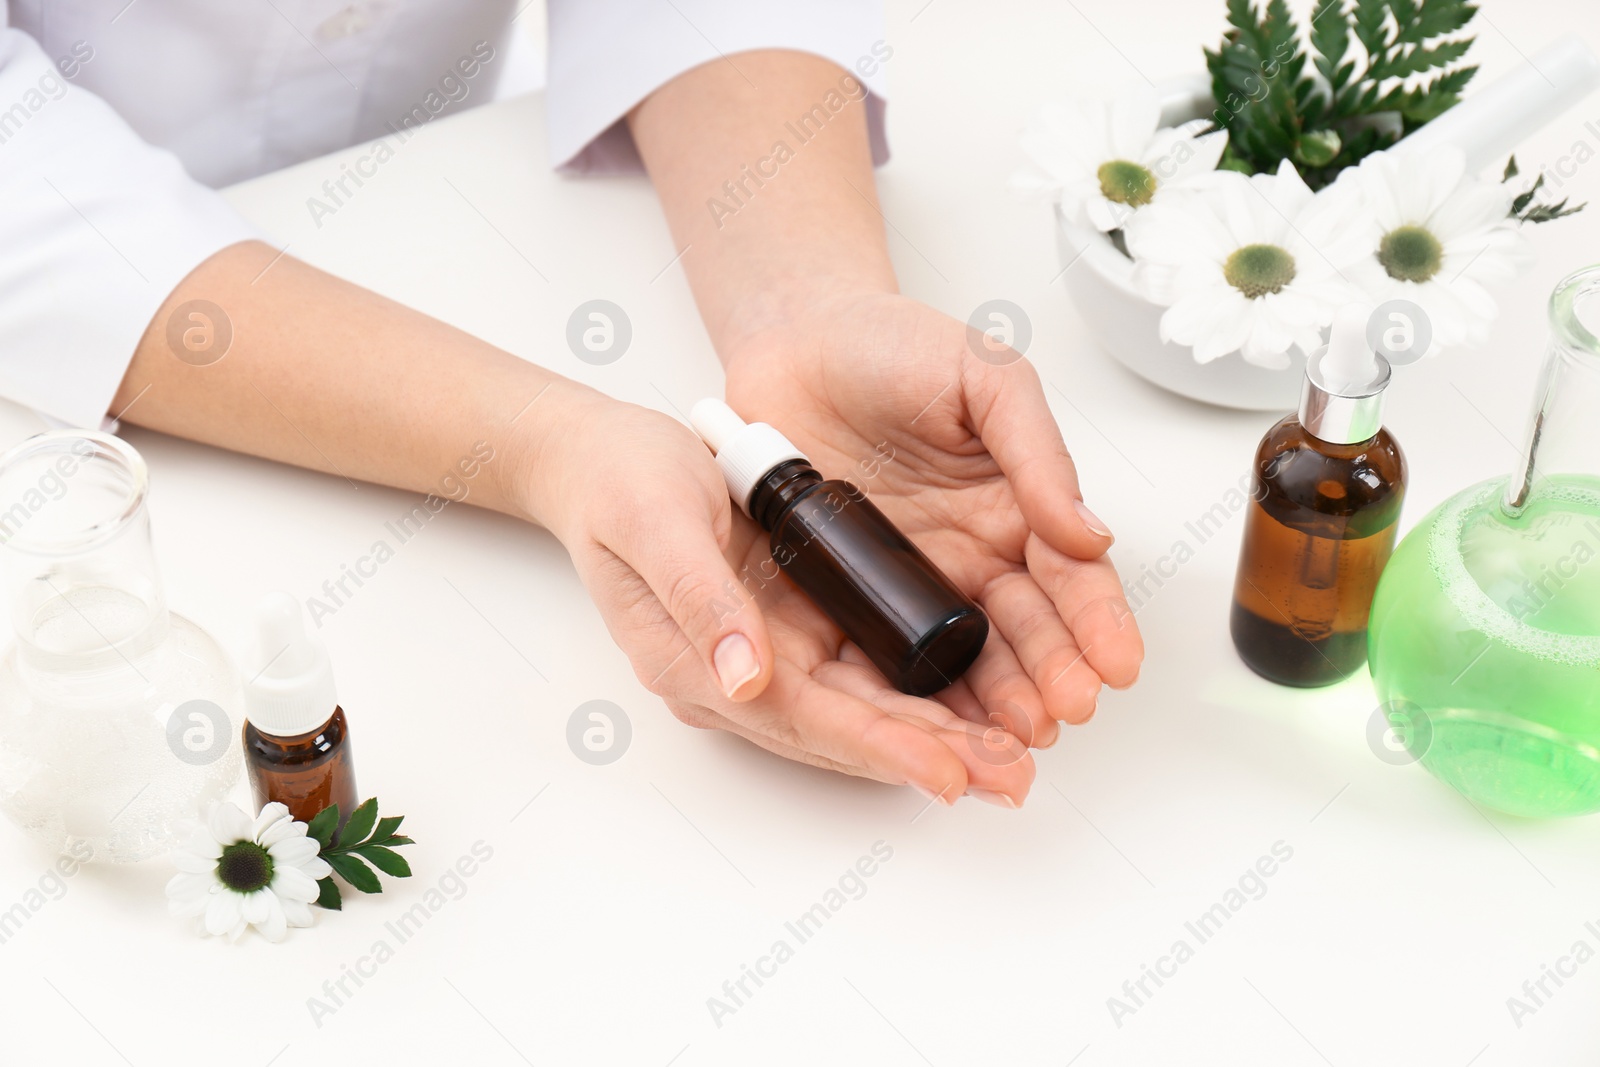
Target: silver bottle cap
1345	415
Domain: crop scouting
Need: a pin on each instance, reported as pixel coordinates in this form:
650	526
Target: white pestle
1488	124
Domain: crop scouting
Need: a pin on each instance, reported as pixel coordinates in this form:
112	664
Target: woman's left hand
962	452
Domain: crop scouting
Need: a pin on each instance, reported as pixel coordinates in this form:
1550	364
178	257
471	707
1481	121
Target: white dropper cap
1342	400
292	692
746	451
1349	362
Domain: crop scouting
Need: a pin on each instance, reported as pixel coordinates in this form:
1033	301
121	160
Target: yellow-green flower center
245	867
1410	253
1257	270
1126	183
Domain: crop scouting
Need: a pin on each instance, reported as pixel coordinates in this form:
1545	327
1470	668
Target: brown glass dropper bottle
890	599
296	740
1328	487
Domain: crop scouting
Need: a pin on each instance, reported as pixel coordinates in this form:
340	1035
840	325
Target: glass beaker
116	715
1485	638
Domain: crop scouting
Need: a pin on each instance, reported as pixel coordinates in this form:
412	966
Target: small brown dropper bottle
296	740
890	599
1328	488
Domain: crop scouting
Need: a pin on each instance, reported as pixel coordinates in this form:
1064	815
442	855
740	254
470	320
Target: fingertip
1117	665
1092	523
1113	644
998	799
944	795
932	769
1124	678
1080	710
741	671
1073	697
1003	784
1076	531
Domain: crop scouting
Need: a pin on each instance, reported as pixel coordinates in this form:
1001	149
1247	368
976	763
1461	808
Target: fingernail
999	800
929	794
1090	519
737	665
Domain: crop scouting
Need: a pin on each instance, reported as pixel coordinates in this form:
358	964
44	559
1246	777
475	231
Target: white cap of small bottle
292	692
1341	399
746	451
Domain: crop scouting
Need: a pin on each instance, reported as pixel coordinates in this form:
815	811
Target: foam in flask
118	718
1485	630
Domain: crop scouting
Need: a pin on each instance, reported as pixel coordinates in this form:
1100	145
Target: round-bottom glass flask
118	718
1485	630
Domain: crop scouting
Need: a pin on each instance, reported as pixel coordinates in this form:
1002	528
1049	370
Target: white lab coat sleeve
96	230
608	55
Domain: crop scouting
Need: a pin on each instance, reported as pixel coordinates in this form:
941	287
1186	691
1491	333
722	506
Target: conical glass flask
1485	635
117	717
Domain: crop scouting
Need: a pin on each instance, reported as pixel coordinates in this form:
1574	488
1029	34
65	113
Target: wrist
535	477
779	316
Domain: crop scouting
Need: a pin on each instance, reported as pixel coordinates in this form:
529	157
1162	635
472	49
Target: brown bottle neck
334	722
781	489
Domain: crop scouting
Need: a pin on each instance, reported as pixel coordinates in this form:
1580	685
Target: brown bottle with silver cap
1322	519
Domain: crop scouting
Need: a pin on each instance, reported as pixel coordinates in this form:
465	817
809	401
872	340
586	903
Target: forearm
327	375
775	212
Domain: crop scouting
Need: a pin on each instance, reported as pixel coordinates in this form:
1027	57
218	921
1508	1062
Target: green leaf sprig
1523	209
1365	52
364	839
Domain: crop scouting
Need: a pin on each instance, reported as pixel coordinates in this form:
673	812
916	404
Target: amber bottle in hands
843	552
1321	525
297	740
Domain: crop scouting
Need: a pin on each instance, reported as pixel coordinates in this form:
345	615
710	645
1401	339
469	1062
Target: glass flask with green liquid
1485	629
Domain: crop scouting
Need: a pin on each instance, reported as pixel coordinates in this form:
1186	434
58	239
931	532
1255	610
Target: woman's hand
688	589
792	275
952	438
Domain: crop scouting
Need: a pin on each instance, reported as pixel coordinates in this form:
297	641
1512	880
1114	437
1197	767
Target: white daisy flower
238	874
1249	264
1438	237
1104	160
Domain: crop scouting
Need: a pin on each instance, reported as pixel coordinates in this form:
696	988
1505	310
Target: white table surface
619	898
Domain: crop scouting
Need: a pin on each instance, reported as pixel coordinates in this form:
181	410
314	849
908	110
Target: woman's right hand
688	590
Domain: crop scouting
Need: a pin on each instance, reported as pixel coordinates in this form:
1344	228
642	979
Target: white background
623	896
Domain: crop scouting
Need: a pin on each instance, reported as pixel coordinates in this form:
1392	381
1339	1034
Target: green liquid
1485	647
